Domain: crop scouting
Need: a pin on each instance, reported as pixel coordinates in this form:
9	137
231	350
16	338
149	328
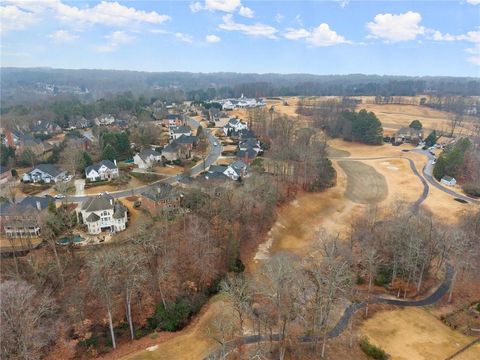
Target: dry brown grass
414	334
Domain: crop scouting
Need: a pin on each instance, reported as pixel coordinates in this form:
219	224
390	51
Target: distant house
177	131
101	213
247	155
407	134
146	158
448	180
79	122
21	220
175	151
234	126
45	127
47	173
250	143
104	120
5	174
83	142
162	197
172	120
236	170
189	141
104	170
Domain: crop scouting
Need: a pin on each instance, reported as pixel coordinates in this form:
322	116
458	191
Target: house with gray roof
21	220
146	158
236	170
177	131
161	197
103	213
104	170
48	173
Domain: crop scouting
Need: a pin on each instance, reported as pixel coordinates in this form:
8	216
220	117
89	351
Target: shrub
472	189
373	351
478	307
360	280
384	276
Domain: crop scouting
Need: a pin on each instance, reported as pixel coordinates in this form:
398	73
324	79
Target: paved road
213	155
347	315
428	174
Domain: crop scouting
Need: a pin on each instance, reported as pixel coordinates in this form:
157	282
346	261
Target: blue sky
319	37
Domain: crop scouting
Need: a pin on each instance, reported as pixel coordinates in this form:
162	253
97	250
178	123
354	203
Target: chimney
111	201
39	206
115	162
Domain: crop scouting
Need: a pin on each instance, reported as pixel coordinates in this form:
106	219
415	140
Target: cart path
348	313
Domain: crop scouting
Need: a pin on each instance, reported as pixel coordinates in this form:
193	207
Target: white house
234	125
236	170
104	120
146	158
103	213
177	131
104	170
448	180
47	173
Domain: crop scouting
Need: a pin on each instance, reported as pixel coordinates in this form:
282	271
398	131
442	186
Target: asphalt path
428	174
349	311
215	151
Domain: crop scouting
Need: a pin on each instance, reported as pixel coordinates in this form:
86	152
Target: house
448	180
172	120
161	198
21	220
83	142
189	141
12	137
175	151
101	213
146	158
250	143
5	174
234	125
246	156
177	131
45	127
78	122
104	120
236	170
47	173
407	134
213	177
104	170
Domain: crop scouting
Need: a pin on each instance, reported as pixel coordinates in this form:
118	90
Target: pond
75	239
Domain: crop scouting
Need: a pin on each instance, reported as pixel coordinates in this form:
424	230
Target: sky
320	37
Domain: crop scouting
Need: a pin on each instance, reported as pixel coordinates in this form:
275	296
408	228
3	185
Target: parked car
59	196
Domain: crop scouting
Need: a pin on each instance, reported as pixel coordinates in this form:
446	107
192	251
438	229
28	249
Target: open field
414	334
365	184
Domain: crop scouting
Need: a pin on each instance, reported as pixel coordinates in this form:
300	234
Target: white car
434	161
215	144
59	196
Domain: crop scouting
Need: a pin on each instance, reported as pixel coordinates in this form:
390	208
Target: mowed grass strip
364	184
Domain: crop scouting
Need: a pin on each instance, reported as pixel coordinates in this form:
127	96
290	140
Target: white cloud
395	28
279	17
257	29
103	13
222	5
474	52
62	36
212	39
295	34
320	36
14	18
473	2
246	12
196	7
184	37
115	39
343	3
159	31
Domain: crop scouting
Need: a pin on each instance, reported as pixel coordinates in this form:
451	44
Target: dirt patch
364	185
413	334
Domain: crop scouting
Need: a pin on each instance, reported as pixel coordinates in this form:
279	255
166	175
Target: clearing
415	334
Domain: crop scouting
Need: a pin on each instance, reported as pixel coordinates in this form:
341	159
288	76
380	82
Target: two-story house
147	158
103	213
47	173
104	170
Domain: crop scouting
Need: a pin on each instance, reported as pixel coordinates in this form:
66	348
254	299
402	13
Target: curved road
347	315
213	155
